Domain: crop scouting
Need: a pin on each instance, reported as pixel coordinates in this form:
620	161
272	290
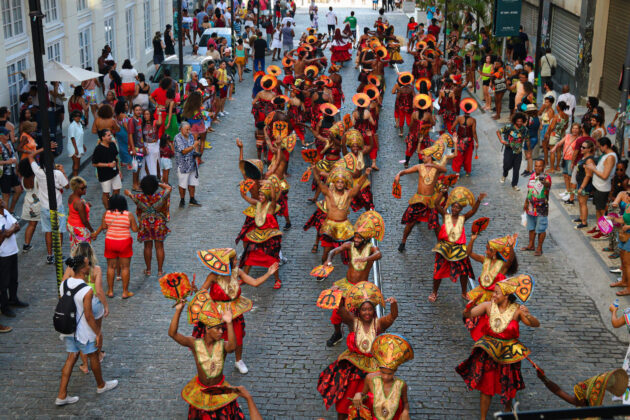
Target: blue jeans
259	64
537	223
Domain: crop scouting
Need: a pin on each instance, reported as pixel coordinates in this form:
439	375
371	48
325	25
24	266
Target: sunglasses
584	147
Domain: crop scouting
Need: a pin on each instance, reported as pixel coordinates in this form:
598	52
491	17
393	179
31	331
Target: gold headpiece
436	151
594	389
362	292
461	196
217	260
340	172
370	225
266	188
447	140
504	246
212	311
353	137
391	350
251	168
508	286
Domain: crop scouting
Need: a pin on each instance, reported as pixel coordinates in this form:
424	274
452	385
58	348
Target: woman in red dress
223	285
494	366
340	48
340	381
263	240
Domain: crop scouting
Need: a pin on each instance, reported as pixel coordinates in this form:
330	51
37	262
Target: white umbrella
55	71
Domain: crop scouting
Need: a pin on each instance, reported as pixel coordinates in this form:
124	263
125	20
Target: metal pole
257	14
180	46
539	43
37	32
625	91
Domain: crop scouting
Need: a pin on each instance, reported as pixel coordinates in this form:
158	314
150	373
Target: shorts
7	182
128	89
543	130
61	219
111	185
624	246
485	82
553	140
512	100
537	223
166	163
241	61
566	166
118	248
223	91
73	346
158	59
533	141
189	179
600	199
97	308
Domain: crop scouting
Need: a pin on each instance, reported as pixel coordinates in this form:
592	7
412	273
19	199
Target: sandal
433	297
623	293
538	253
129	294
277	284
160	273
110	295
315	249
147	273
527	248
84	368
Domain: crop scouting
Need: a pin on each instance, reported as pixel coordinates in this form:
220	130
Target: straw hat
405	78
268	82
361	100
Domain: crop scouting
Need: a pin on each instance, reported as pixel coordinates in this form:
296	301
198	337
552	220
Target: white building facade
75	31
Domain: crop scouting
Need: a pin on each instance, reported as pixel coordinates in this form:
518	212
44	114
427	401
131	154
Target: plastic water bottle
616	303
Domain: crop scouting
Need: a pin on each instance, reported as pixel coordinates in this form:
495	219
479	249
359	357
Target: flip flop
110	295
147	273
538	253
315	249
129	294
278	284
526	248
623	293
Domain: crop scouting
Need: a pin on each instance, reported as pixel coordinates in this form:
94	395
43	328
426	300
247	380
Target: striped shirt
117	225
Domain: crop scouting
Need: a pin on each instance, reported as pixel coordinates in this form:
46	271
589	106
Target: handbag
552	68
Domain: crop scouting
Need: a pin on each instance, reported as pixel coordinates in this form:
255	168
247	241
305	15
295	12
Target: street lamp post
37	31
180	46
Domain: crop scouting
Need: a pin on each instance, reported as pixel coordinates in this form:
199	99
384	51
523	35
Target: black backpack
64	318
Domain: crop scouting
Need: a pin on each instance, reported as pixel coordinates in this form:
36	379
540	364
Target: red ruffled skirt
443	268
263	254
232	411
363	199
341	53
316	220
419	212
248	225
283	202
482	373
338	383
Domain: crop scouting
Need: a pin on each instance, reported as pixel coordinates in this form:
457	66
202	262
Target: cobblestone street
285	343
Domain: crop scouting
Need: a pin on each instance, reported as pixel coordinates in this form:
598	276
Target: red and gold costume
404	108
465	147
451	259
226	288
494	366
204	403
263	240
335	232
356	163
491	268
261	108
345	377
448	109
251	165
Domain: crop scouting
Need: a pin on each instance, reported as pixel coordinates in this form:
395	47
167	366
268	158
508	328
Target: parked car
221	32
191	63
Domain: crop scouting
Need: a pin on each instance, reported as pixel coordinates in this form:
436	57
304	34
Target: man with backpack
75	320
548	64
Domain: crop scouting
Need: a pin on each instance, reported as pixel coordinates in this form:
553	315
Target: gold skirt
193	393
338	231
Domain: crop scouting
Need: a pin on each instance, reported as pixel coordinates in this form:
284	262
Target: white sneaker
516	188
225	113
66	401
109	385
221	114
240	365
502	180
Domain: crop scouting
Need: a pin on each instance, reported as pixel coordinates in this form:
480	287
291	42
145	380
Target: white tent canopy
55	71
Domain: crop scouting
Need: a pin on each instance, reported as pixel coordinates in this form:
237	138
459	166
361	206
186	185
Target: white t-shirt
287	19
60	91
128	75
84	333
331	18
551	94
568	99
9	245
42	190
223	6
601	184
531	77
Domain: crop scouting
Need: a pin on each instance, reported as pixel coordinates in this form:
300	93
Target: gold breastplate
454	231
360	161
364	339
354	254
499	321
210	360
261	213
229	284
341	201
489	271
428	175
385	406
